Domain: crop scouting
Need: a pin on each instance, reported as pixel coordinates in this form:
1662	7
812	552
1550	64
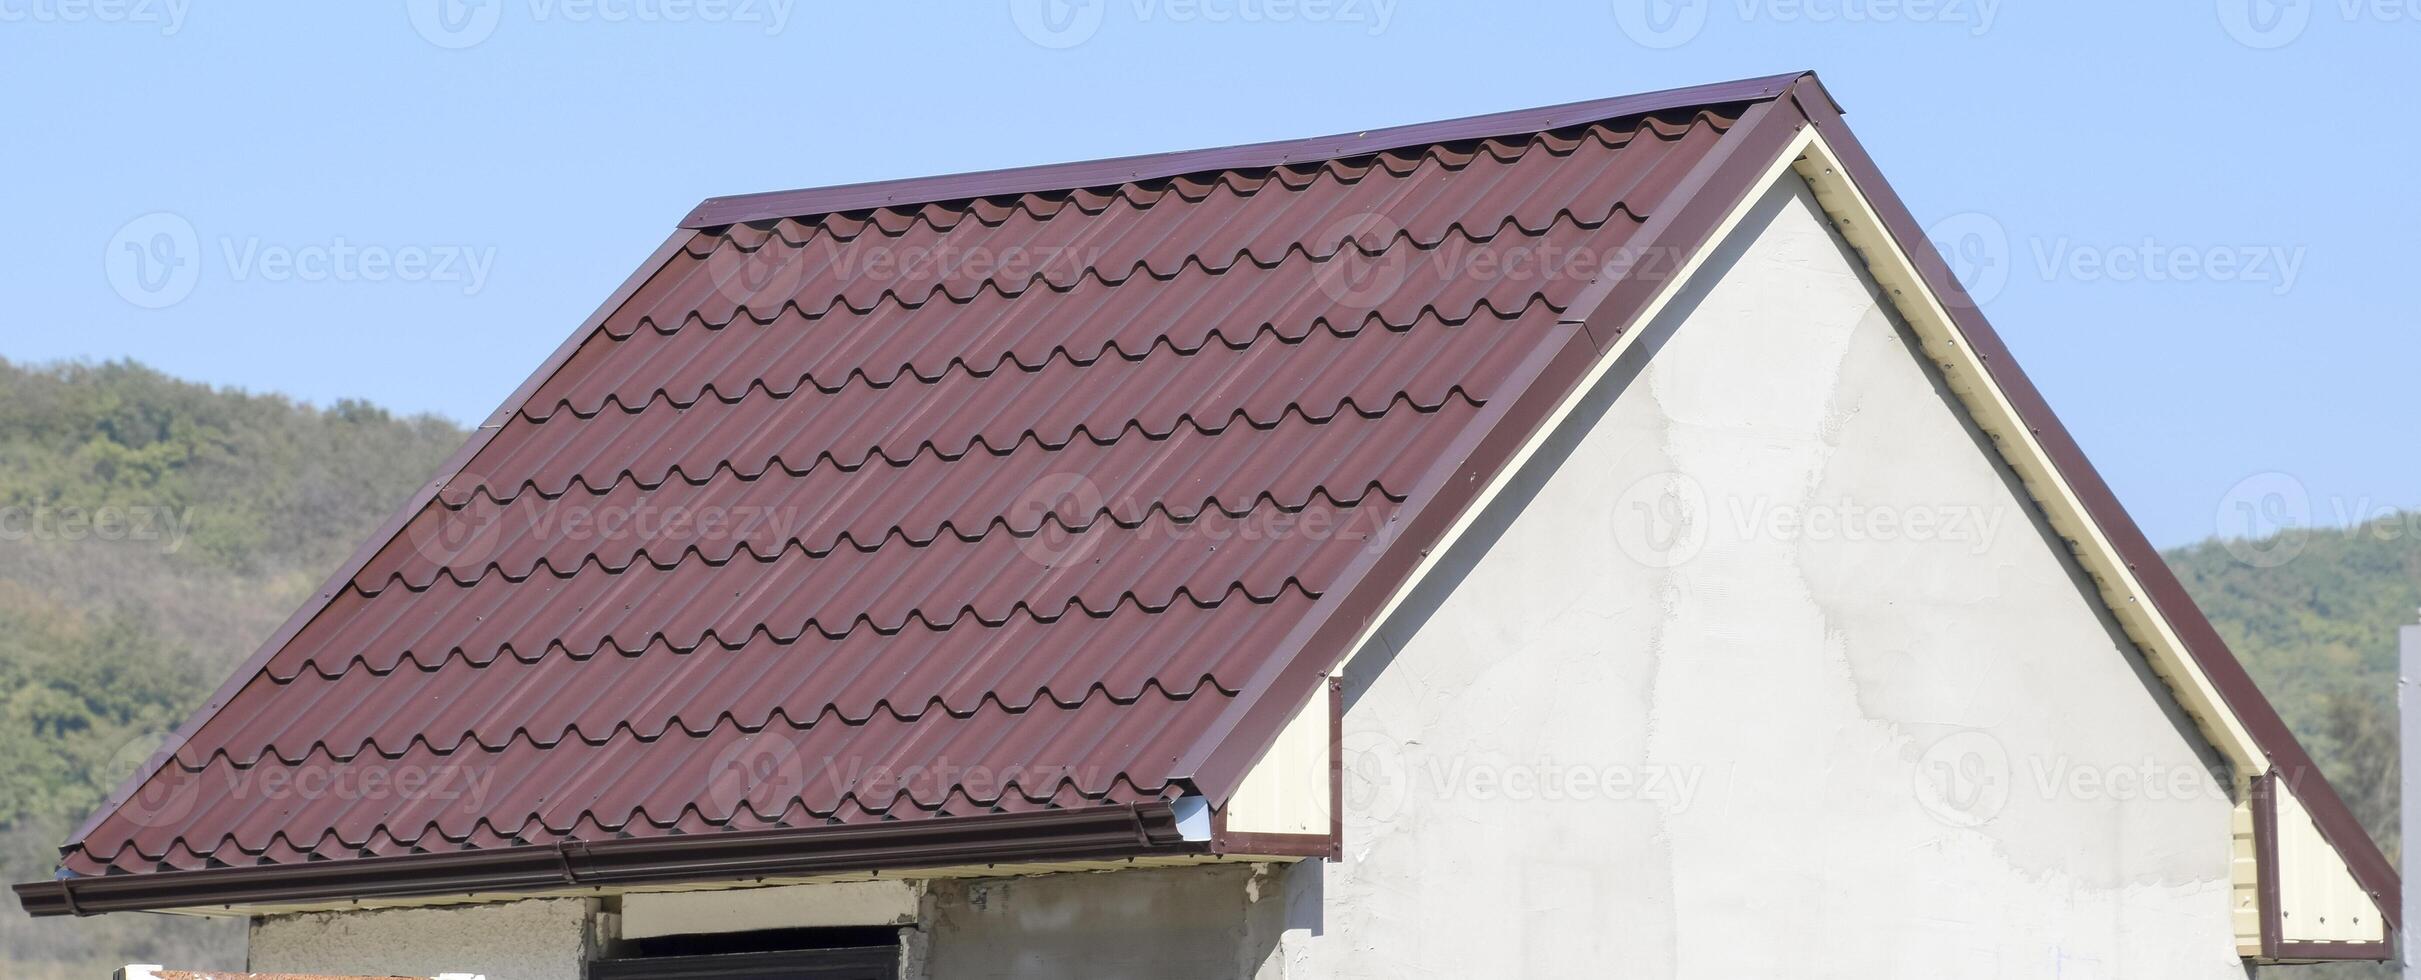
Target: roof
954	517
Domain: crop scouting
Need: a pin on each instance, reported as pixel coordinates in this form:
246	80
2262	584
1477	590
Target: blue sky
2192	223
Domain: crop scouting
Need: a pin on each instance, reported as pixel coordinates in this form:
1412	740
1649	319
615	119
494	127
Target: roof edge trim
1090	833
719	211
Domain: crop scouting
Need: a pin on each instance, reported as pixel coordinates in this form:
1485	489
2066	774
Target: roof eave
1088	833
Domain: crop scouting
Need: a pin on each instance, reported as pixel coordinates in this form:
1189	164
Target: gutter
1090	833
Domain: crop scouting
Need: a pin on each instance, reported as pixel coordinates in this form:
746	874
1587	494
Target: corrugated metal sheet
967	505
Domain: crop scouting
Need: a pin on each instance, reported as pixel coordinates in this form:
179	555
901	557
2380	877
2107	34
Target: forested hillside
153	531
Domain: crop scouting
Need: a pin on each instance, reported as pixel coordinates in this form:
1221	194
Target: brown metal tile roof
956	506
1028	500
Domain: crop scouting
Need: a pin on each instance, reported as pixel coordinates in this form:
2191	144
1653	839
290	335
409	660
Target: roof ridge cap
734	209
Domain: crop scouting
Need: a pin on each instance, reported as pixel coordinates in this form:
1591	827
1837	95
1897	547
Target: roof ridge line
1227	180
727	210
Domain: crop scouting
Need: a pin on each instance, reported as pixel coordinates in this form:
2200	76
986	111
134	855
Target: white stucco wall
1827	747
543	939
